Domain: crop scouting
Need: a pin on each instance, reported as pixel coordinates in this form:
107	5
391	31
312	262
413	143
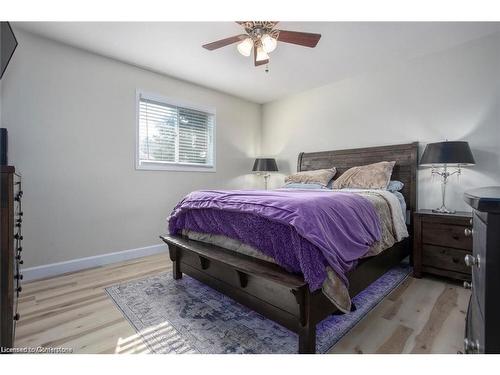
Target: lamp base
266	179
443	210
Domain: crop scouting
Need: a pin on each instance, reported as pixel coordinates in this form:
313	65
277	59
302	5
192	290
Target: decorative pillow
372	176
395	185
293	185
319	176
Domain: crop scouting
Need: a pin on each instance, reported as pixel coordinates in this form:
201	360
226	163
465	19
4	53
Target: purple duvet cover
303	230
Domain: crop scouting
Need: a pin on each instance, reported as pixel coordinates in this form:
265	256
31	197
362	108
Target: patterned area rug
185	316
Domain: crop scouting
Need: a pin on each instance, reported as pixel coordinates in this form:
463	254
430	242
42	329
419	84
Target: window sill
174	167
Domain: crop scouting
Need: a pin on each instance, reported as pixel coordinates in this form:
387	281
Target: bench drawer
240	280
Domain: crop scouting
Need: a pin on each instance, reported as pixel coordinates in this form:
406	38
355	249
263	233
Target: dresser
482	327
11	217
440	244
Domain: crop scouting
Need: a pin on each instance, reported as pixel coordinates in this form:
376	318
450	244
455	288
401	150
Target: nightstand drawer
445	235
440	244
445	257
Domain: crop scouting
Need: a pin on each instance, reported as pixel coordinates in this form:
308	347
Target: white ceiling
345	49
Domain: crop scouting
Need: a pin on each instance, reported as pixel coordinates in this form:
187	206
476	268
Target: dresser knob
19	276
17	316
468	232
19	289
471	346
471	221
467	285
471	260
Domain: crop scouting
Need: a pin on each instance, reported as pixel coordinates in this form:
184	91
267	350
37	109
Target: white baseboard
54	269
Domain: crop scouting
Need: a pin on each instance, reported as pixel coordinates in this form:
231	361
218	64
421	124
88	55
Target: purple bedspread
303	230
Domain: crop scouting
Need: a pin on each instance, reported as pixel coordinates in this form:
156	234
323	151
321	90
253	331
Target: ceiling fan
261	38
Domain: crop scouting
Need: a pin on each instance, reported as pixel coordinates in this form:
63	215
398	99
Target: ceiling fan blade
260	62
297	37
224	42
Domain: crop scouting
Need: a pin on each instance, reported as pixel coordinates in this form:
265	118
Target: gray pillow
395	185
319	176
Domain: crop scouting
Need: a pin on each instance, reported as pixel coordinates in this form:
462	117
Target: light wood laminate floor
73	311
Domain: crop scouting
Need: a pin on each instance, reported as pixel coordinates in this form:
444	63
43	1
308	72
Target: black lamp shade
265	165
457	153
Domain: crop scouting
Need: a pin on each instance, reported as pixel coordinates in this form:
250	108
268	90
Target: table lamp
443	155
263	166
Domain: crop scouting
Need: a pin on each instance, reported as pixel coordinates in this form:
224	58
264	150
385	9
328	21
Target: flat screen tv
8	44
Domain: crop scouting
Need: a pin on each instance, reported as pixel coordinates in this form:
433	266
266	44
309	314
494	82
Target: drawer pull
471	260
467	285
17	317
243	277
470	346
468	232
204	263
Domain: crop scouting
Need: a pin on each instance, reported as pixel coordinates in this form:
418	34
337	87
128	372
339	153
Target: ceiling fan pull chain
267	68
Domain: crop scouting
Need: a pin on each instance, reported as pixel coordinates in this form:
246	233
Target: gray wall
453	94
71	120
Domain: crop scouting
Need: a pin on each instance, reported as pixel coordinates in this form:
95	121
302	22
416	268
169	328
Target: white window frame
171	166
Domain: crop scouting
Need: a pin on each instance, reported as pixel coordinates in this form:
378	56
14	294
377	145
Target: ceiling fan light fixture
261	54
268	43
260	38
245	47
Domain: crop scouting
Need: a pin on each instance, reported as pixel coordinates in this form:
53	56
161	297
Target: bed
283	296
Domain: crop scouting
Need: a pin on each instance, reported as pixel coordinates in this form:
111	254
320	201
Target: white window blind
173	135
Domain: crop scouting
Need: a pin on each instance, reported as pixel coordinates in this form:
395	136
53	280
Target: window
173	136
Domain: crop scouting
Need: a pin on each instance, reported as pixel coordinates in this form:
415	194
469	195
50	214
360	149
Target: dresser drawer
445	235
474	329
445	258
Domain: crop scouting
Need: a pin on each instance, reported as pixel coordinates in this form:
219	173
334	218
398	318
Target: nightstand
440	244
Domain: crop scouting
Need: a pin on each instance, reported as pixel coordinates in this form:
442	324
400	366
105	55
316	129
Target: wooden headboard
405	169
